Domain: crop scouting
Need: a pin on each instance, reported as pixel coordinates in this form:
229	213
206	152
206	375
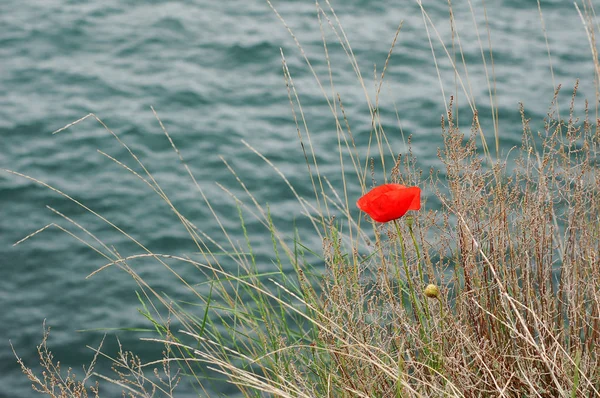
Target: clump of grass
494	294
54	382
134	377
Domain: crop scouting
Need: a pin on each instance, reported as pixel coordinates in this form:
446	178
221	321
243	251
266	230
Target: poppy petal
390	201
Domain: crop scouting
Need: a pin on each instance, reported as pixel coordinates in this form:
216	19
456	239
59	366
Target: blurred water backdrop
212	70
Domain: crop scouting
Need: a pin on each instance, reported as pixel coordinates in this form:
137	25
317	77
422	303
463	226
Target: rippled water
212	70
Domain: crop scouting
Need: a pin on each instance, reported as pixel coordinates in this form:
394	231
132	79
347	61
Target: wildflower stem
411	288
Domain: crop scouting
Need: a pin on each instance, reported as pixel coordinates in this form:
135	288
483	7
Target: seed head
432	291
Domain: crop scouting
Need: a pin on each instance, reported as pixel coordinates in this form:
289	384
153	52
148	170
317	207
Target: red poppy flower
390	201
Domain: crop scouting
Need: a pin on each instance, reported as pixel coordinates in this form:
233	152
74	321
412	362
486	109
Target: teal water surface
212	71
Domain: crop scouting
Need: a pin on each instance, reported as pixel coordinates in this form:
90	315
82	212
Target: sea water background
212	70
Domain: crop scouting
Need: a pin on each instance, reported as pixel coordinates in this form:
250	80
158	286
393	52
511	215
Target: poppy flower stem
411	288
